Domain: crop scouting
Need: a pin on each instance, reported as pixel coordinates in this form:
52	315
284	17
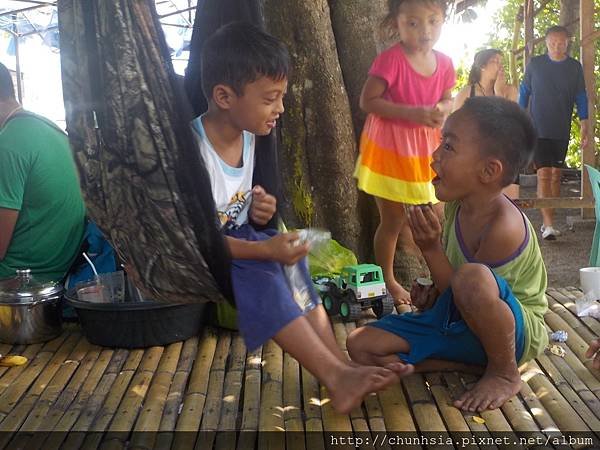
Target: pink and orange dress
395	154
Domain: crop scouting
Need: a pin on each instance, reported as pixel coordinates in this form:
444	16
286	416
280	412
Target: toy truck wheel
383	306
331	304
331	299
350	309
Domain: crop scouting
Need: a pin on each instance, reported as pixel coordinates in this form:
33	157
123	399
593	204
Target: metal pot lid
24	287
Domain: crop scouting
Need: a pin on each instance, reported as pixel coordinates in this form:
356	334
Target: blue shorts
441	333
263	297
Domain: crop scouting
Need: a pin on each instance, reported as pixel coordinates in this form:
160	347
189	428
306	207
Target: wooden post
587	60
16	37
512	62
529	44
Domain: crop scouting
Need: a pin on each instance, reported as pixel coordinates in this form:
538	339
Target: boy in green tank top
488	266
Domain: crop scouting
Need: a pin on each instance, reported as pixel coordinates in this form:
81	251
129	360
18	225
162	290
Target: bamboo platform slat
226	436
214	398
292	404
271	399
209	392
565	415
456	388
312	412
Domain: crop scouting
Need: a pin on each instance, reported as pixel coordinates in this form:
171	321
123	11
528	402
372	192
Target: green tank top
524	271
39	179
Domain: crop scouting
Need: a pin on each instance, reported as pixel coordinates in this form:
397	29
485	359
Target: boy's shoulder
503	233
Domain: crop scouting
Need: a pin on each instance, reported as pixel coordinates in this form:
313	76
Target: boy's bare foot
400	295
490	392
400	369
352	384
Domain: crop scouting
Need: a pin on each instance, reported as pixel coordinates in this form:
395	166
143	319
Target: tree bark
317	148
356	28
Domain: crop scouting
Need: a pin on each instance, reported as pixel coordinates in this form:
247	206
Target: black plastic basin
137	324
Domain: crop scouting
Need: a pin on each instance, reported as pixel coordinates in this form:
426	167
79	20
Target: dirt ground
569	252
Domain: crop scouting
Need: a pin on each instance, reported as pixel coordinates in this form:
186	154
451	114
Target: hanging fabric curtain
210	16
128	122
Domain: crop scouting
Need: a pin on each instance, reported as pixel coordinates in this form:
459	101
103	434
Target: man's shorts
550	152
441	333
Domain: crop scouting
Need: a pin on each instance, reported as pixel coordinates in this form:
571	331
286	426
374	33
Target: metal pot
30	310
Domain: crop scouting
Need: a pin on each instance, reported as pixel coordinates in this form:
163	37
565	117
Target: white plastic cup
115	285
589	278
93	293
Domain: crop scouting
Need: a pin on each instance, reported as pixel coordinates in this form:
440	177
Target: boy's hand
263	205
431	117
286	249
423	297
425	226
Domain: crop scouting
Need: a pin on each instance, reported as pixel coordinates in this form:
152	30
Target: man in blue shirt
553	83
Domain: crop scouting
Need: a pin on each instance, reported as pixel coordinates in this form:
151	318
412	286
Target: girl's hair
482	57
388	24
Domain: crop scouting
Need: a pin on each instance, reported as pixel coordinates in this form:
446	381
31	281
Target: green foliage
502	38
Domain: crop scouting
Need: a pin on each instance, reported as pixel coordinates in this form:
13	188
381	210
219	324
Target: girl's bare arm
372	101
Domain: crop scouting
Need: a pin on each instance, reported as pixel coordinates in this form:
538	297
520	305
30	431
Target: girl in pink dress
407	96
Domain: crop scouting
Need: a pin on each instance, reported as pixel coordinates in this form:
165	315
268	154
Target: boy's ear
223	95
492	170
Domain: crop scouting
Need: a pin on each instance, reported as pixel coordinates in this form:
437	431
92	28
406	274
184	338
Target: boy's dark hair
388	24
558	29
481	58
240	53
7	89
505	131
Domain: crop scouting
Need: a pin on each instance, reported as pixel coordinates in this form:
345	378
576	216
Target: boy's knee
355	344
469	282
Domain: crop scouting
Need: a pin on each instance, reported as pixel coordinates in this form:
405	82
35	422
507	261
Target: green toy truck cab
357	287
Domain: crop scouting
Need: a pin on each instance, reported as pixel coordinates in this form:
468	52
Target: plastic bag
298	274
329	258
588	306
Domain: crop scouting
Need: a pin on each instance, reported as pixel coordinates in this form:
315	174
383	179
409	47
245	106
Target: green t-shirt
38	178
525	273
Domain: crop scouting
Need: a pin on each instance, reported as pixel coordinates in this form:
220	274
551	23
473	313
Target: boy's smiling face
259	106
458	161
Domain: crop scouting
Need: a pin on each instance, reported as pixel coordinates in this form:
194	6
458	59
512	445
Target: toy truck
357	287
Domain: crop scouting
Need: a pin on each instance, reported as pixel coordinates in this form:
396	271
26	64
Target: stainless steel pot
30	310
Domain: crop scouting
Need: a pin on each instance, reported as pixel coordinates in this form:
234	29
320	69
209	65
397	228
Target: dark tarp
143	179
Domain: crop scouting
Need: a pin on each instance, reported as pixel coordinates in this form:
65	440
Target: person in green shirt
488	266
42	214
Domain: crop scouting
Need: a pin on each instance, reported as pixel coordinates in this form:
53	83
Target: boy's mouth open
272	123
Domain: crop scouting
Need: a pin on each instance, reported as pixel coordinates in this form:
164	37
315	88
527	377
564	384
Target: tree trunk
356	28
318	148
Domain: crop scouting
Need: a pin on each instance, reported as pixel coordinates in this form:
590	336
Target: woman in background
487	78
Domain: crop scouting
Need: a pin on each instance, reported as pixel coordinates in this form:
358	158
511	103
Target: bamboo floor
208	392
